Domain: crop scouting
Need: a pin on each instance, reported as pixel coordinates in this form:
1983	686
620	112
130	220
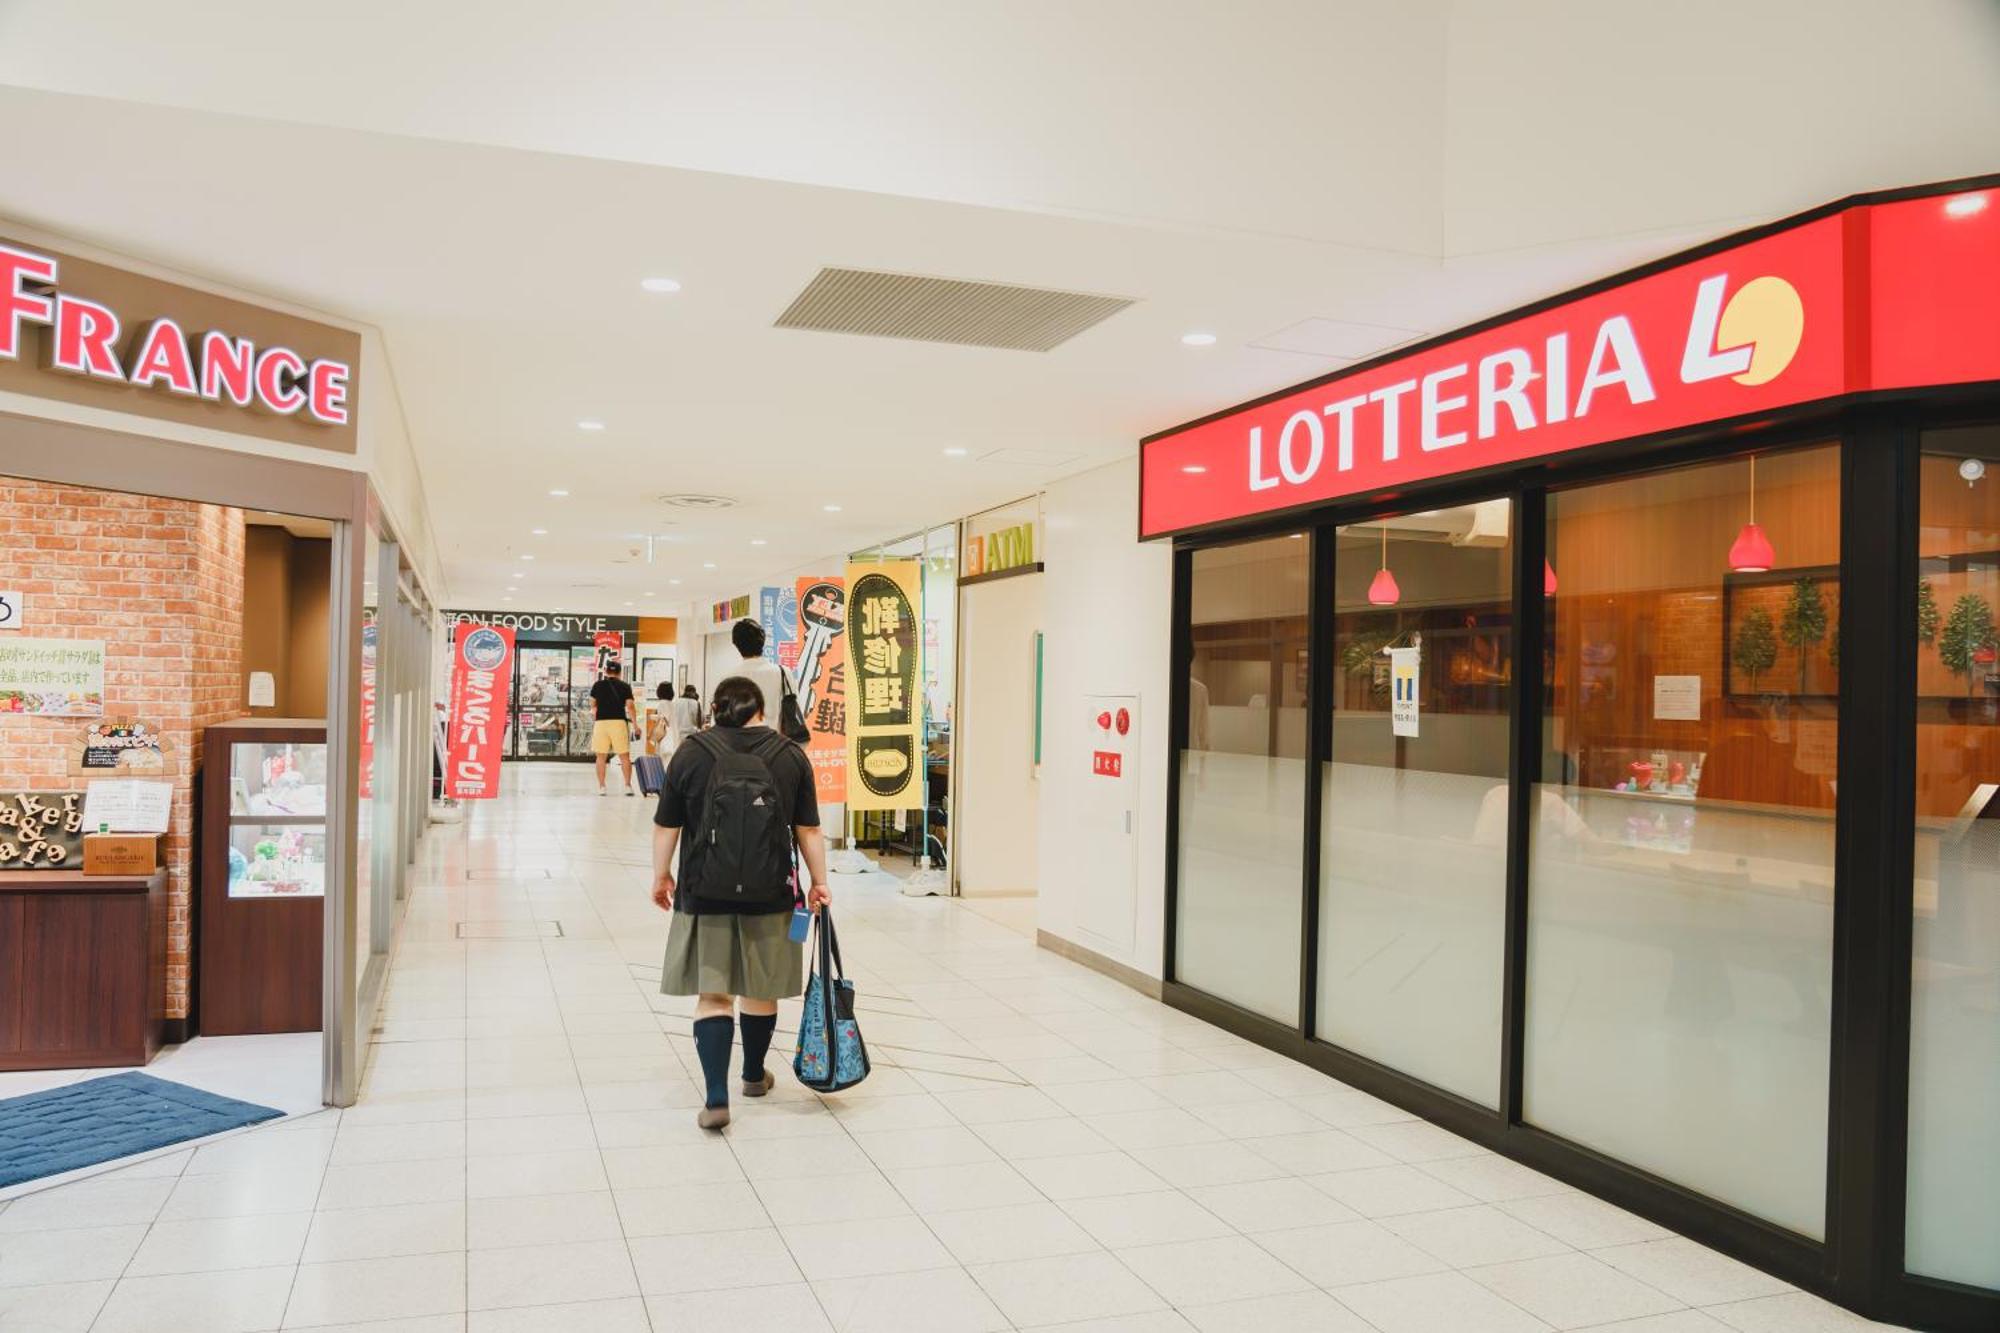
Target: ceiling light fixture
1382	591
526	556
1964	205
659	284
538	532
1751	552
560	494
708	564
758	541
1198	339
589	424
670	581
831	509
954	452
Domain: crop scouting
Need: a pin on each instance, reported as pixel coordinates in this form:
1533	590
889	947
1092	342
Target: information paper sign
127	805
1677	698
1403	681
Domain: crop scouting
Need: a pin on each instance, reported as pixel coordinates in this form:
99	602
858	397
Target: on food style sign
481	673
86	336
1876	296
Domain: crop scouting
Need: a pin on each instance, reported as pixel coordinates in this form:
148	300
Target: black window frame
1860	1263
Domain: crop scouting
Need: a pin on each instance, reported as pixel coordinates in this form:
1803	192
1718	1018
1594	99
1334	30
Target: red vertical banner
819	673
482	674
610	645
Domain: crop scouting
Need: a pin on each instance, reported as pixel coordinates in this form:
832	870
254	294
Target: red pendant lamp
1548	579
1383	590
1751	552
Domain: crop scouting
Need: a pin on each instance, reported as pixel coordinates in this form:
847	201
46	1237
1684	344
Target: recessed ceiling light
1965	205
954	452
1198	339
670	581
659	284
628	603
708	564
559	494
589	424
831	509
758	541
526	556
649	594
519	575
1193	469
538	532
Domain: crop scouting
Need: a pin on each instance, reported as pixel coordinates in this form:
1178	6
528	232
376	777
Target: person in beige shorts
612	732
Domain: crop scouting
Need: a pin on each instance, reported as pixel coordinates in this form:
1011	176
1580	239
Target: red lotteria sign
482	676
1107	764
88	339
1865	297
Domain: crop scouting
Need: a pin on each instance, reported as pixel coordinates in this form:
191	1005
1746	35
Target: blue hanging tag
801	924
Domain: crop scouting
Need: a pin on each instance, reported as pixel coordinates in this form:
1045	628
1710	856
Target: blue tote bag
831	1054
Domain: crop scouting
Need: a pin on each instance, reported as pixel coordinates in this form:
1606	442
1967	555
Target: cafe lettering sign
41	830
81	331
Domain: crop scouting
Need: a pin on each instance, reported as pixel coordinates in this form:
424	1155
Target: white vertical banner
1404	666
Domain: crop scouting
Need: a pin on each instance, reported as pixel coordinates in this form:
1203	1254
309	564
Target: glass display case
277	819
263	876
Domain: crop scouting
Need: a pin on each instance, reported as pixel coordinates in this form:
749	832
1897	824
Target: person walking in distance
611	733
745	795
687	714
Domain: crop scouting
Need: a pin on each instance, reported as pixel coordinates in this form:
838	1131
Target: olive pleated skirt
727	954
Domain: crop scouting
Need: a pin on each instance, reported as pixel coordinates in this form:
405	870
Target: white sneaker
600	791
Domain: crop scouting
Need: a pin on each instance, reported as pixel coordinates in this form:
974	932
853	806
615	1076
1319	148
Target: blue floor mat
64	1129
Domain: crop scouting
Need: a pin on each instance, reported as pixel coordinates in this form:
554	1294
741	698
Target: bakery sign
84	332
40	830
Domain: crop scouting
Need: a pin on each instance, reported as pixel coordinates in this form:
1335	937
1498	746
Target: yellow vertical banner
885	706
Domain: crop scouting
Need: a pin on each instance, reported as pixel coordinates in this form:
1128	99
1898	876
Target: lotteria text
86	337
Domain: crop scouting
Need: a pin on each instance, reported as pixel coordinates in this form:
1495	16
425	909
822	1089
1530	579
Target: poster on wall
610	646
818	651
482	658
122	743
52	677
885	724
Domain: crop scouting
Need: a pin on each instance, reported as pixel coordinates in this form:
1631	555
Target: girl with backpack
743	796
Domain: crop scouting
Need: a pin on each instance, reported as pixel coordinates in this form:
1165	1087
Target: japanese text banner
885	716
482	676
819	673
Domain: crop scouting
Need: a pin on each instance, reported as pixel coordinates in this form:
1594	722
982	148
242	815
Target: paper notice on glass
1677	698
263	690
127	805
1403	669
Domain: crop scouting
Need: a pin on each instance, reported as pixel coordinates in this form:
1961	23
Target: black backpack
745	827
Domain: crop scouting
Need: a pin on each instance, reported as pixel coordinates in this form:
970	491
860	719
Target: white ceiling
486	183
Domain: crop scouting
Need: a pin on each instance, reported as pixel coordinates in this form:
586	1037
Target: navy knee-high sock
757	1030
712	1037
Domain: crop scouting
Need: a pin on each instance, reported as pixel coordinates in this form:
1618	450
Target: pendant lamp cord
1753	488
1385	540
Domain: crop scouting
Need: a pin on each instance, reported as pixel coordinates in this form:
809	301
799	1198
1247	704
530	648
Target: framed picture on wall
1781	634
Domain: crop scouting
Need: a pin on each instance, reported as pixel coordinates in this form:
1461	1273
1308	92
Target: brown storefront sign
81	332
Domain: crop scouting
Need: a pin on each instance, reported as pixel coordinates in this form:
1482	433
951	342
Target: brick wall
161	582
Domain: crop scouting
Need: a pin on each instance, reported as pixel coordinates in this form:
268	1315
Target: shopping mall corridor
1038	1147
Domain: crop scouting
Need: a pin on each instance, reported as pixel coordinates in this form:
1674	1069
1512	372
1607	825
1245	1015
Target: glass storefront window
1953	1229
1413	815
1242	780
1681	876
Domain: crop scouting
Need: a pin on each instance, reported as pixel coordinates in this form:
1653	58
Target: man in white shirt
767	676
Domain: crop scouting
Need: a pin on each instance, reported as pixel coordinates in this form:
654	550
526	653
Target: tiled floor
1039	1147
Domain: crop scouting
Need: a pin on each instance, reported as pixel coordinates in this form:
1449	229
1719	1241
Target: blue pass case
801	924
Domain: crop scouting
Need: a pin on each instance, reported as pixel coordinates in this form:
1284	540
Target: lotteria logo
484	650
85	338
1750	335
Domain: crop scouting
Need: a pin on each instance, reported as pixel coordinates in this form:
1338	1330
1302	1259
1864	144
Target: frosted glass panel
1680	896
1413	844
1241	858
1242	802
1953	1229
1679	967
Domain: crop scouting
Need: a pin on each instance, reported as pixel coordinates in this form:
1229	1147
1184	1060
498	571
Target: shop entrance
552	710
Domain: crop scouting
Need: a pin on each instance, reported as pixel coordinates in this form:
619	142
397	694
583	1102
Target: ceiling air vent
945	310
695	501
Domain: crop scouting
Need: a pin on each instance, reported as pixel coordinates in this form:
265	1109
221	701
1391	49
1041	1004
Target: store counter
83	963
